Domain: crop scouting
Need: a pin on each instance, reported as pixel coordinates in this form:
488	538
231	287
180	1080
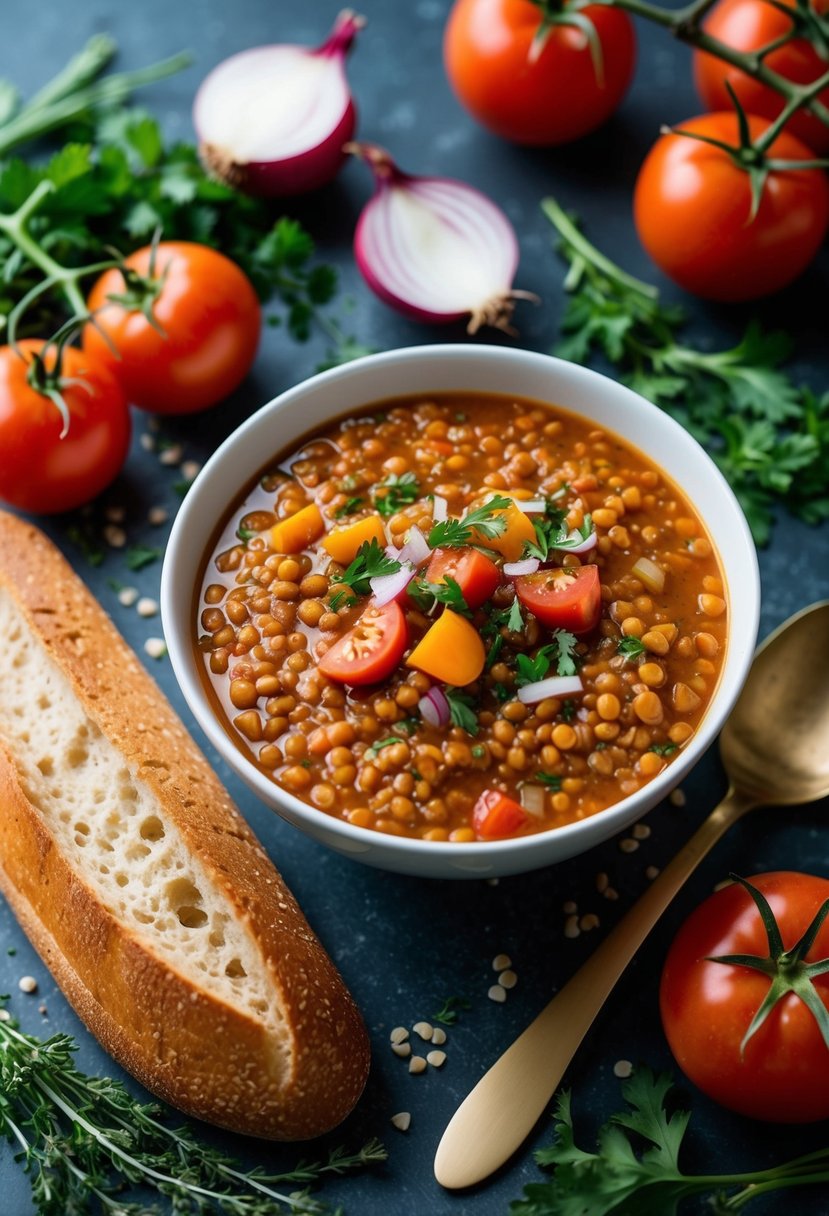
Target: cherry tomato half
563	599
371	650
748	25
474	573
207	329
555	97
495	816
40	471
707	1007
692	207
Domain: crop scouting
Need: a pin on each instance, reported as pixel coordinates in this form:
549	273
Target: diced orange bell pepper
451	651
511	542
342	543
295	533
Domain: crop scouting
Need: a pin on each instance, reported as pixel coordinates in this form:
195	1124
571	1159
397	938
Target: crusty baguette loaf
141	886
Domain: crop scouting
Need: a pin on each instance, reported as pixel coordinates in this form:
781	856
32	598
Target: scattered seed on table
115	536
628	844
147	442
158	515
652	872
156	648
501	962
402	1121
602	882
115	515
5	1016
146	607
172	455
569	907
42	1010
438	1036
190	470
677	798
589	921
27	983
622	1068
436	1058
508	979
399	1034
127	596
417	1064
640	831
493	882
402	1049
611	893
424	1030
497	993
571	926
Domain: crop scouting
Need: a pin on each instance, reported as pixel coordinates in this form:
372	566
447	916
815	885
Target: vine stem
15	227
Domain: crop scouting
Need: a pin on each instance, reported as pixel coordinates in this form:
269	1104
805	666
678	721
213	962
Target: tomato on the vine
552	97
203	337
780	1070
749	25
693	210
41	469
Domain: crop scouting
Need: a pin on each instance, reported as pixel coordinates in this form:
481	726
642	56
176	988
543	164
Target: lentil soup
461	618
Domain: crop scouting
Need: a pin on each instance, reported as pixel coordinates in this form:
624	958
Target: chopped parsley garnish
631	647
379	744
515	621
245	534
551	780
448	592
478	751
485	520
501	691
664	749
551	532
341	599
410	725
399	492
140	556
417	776
462	710
493	652
568	711
560	651
511	617
348	508
369	563
447	1014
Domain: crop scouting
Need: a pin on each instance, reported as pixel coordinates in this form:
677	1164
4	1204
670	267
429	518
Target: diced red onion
527	565
553	686
393	552
416	548
274	120
531	506
434	707
574	544
435	248
533	799
440	508
387	587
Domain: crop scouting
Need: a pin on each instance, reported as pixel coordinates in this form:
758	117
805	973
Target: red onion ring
434	707
553	686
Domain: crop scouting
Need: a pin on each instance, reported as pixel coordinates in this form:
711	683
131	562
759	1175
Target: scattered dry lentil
27	984
436	1058
508	979
497	993
623	1069
417	1064
402	1121
424	1031
628	845
501	962
146	607
127	596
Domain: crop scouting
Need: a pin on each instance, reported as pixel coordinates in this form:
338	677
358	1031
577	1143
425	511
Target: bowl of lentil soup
460	610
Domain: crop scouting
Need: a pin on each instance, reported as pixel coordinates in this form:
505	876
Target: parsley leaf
515	621
551	780
370	562
664	749
399	492
551	532
487	521
493	652
630	647
341	599
560	651
447	591
140	556
461	710
348	507
447	1014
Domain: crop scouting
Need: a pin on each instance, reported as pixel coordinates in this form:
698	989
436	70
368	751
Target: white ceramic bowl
424	370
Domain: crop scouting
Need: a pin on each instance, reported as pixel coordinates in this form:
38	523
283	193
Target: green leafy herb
417	776
560	651
341	599
370	562
551	780
510	617
568	711
348	508
181	487
487	521
630	647
515	621
400	491
139	556
619	1180
81	536
478	751
83	1140
664	749
447	591
769	437
448	1012
245	534
379	744
502	693
462	710
493	652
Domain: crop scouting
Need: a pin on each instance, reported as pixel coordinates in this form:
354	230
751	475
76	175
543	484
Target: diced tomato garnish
474	573
370	651
568	598
495	816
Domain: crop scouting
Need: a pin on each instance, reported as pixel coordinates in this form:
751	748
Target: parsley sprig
447	591
462	710
631	648
769	437
400	491
551	532
487	521
560	651
370	562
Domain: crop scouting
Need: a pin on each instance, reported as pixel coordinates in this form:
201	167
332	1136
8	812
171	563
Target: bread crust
205	1056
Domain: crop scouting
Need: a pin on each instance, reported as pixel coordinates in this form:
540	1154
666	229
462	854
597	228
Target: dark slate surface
403	945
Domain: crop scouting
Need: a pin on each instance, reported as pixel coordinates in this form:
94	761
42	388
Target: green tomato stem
15	228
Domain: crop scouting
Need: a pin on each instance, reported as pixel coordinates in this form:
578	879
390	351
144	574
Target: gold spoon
775	748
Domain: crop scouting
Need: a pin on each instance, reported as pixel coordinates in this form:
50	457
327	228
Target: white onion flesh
533	799
574	543
416	548
528	565
651	575
440	509
553	686
387	587
531	506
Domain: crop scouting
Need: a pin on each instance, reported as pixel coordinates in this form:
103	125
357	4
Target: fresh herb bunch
398	492
769	437
83	1140
425	595
370	562
615	1181
487	521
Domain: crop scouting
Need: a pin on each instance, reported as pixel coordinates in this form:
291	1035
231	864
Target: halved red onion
416	548
574	543
387	587
527	565
434	707
533	799
553	686
435	248
440	508
274	120
531	506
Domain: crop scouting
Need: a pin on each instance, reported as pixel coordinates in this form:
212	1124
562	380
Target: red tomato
495	816
563	599
551	99
707	1007
692	207
40	471
208	320
748	25
370	651
474	573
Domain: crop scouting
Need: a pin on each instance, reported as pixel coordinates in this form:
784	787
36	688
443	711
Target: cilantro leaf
447	591
664	749
370	562
461	710
348	507
139	556
560	651
400	491
487	521
515	621
551	780
630	647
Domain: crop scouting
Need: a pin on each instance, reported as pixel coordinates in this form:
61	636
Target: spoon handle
499	1113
